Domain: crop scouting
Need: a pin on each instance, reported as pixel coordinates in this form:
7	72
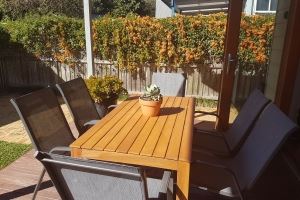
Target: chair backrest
245	120
170	84
43	119
88	179
79	102
270	131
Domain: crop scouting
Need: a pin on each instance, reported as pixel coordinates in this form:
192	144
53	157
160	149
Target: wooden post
88	38
230	62
290	60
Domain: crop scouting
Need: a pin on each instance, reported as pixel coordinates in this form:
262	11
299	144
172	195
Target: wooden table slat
157	129
163	143
144	134
106	127
116	128
173	149
114	144
82	139
187	140
132	135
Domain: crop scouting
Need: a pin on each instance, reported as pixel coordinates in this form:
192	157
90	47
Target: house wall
277	48
162	10
248	7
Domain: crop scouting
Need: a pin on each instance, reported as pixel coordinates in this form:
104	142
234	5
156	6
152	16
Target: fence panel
202	81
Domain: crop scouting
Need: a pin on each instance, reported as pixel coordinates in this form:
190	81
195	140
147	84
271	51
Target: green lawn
10	152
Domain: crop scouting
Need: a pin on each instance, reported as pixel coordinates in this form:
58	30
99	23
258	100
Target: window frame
263	11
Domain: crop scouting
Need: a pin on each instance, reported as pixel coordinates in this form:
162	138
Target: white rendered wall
162	10
277	48
248	9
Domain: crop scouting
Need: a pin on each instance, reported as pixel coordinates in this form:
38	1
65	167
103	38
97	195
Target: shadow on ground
7	112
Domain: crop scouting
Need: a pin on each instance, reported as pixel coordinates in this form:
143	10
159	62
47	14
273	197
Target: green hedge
49	36
133	41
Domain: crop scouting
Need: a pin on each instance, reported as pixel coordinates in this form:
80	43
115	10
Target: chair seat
218	180
213	143
230	142
210	158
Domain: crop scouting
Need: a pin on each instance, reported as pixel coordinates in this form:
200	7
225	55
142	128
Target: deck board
18	180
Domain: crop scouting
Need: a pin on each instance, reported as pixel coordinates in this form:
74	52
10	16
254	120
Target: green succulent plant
152	93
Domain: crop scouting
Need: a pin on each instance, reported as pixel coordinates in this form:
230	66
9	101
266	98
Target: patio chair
173	84
44	122
170	84
235	176
80	103
227	143
90	179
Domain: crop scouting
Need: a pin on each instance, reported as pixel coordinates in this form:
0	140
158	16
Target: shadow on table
170	110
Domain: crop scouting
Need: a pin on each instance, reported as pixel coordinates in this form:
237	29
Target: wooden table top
126	131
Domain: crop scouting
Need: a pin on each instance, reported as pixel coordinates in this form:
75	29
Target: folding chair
44	122
235	176
89	179
80	103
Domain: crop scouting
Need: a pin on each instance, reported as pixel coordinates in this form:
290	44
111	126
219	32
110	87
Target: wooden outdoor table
126	136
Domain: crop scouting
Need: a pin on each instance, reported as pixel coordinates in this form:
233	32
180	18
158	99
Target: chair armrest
226	169
210	152
212	133
166	179
166	190
207	113
91	123
111	107
59	149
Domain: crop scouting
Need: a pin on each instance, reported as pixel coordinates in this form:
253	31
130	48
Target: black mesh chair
227	143
44	122
170	84
235	176
89	179
80	103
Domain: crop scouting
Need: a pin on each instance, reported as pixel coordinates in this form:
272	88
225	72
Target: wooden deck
18	180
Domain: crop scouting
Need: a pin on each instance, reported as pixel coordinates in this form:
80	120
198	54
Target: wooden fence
202	81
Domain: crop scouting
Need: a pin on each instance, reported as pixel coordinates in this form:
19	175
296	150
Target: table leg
183	179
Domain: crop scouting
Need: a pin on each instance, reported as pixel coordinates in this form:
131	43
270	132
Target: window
266	6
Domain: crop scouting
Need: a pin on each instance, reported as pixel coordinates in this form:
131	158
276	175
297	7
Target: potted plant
105	91
151	100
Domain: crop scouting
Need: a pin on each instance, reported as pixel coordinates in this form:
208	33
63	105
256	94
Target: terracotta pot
150	108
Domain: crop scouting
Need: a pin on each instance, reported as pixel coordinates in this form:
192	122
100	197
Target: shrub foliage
15	9
133	41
